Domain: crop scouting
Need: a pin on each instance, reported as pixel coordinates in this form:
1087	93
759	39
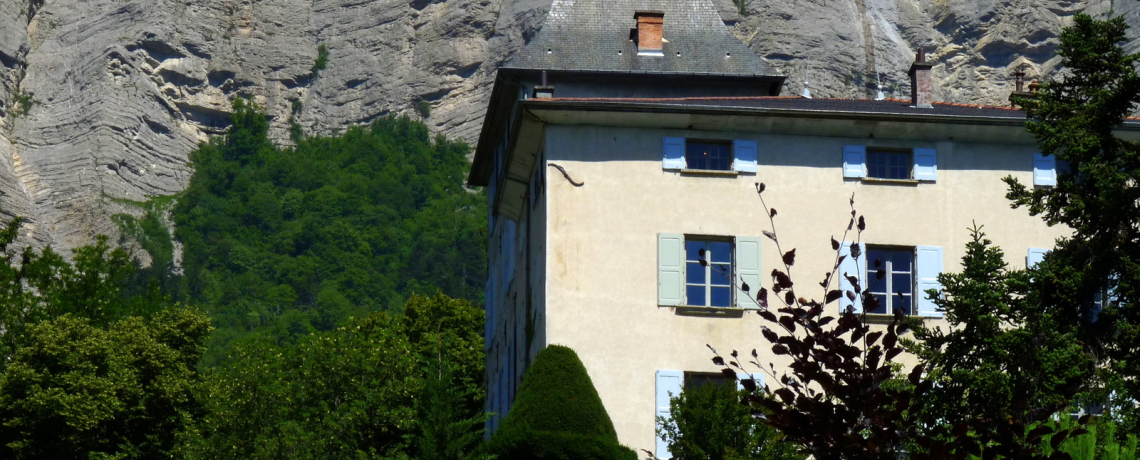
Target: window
700	379
895	290
708	273
918	164
681	154
889	164
708	155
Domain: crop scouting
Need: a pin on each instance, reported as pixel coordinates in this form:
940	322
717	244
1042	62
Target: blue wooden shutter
854	161
925	164
673	153
1035	256
1044	170
854	266
928	265
669	384
670	269
747	271
744	156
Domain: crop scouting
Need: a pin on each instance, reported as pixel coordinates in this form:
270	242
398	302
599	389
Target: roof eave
635	106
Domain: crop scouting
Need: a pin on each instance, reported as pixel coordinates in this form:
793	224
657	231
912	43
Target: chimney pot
1019	80
921	82
544	89
1033	86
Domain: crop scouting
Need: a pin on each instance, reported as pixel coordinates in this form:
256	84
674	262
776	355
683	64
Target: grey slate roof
587	35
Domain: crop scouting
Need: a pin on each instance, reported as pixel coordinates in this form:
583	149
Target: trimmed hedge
521	443
558	415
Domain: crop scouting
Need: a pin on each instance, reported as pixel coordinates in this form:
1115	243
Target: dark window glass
708	284
888	165
896	289
708	155
700	379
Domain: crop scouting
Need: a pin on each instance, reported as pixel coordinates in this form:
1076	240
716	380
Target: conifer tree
1091	281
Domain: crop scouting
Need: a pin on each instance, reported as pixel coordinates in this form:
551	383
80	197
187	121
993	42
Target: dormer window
649	27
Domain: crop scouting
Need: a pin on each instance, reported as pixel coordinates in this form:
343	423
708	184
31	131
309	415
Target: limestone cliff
101	101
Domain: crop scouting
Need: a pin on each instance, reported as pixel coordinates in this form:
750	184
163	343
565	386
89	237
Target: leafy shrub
708	422
558	415
322	59
1099	443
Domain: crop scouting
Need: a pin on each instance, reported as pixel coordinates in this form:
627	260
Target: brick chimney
649	32
1019	87
921	82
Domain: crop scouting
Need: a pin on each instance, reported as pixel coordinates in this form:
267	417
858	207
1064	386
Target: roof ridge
751	98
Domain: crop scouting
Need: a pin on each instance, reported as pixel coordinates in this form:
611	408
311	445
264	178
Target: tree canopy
279	243
1090	283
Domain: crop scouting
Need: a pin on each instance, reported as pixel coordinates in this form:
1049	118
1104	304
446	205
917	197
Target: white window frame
888	266
708	268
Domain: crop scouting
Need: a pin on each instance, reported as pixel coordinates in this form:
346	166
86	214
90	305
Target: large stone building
628	136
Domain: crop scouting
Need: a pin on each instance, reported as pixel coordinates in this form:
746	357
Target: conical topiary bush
558	415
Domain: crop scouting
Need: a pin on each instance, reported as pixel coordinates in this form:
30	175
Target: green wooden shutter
670	269
747	271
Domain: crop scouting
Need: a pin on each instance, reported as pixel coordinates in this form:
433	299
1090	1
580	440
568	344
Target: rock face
101	101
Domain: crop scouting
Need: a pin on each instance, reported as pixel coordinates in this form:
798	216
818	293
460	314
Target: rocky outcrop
101	101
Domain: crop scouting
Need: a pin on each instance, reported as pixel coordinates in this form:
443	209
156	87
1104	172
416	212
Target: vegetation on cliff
280	243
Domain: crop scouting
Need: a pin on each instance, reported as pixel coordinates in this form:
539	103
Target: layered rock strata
101	101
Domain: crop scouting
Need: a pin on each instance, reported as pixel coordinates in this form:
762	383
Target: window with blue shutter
744	156
854	161
928	265
854	267
673	153
1044	170
669	384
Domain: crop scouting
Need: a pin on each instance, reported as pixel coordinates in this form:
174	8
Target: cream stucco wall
601	239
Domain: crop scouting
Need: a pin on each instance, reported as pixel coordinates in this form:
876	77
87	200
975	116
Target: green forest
280	243
327	305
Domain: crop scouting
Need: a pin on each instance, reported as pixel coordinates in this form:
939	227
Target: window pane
721	297
721	275
876	285
900	282
901	261
904	303
888	165
882	304
877	254
721	251
704	155
692	250
694	273
696	295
